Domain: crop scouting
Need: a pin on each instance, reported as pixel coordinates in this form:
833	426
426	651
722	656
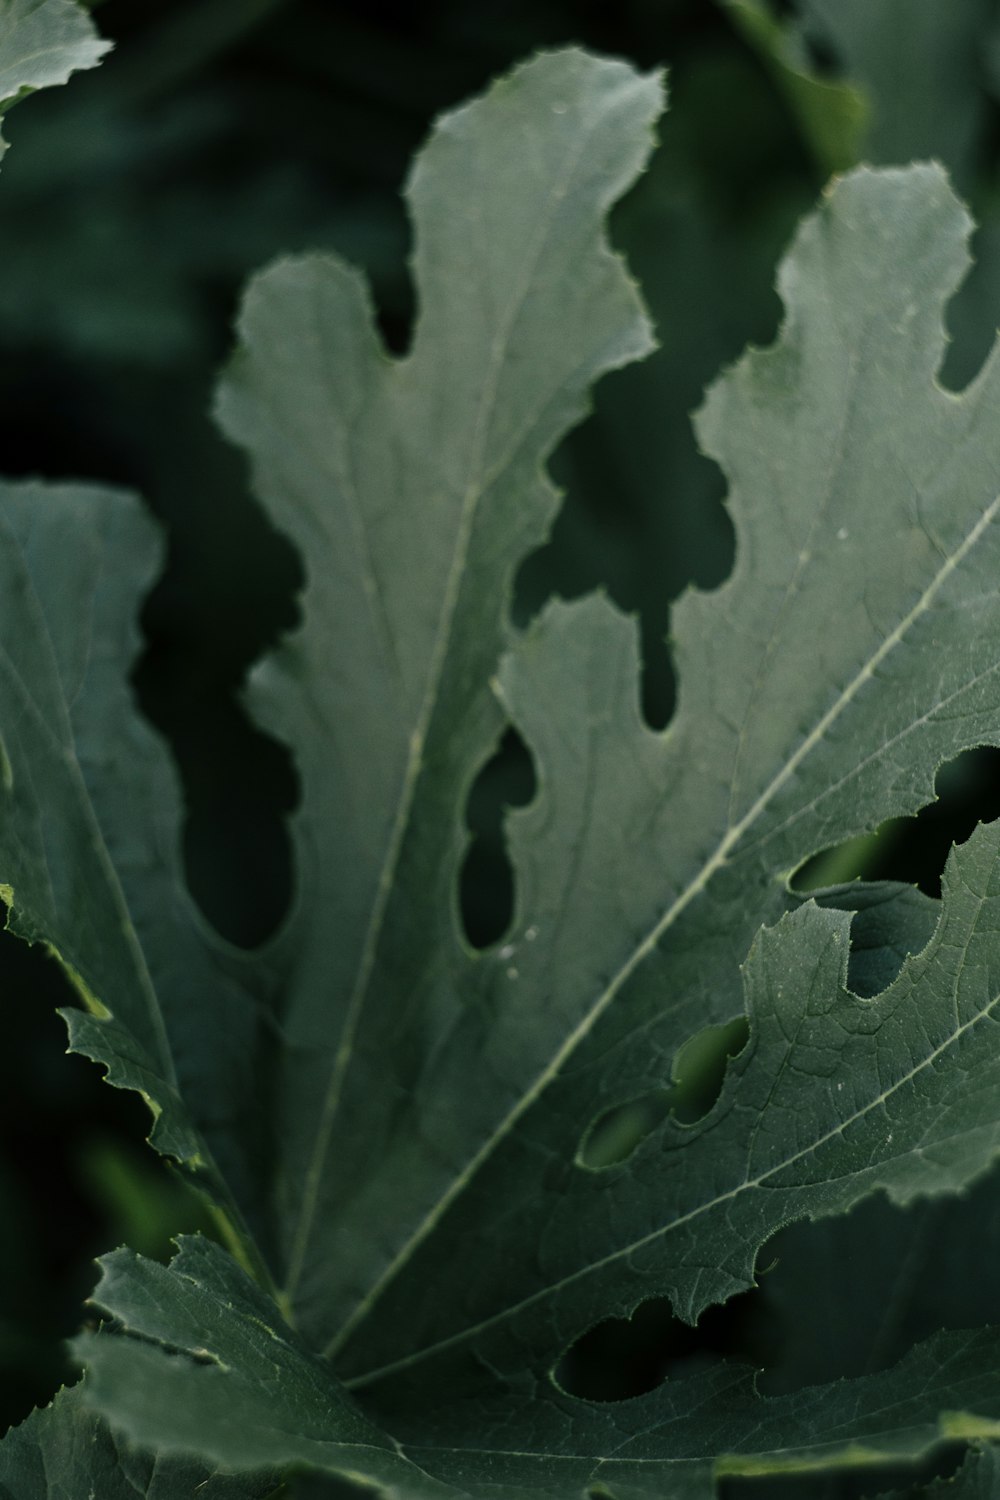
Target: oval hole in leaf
486	882
626	1357
915	849
699	1069
613	1136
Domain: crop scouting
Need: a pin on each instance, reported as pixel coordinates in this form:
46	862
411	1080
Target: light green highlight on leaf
833	115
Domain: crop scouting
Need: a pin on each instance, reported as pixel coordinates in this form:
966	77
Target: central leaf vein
716	860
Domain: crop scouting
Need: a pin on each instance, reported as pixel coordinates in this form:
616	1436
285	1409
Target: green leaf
43	42
212	1369
65	1452
207	1368
413	488
862	493
89	838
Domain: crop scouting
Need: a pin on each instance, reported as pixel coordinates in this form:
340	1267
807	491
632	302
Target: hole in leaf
486	883
915	849
626	1357
699	1069
613	1136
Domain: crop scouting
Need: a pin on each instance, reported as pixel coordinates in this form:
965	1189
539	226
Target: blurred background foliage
134	204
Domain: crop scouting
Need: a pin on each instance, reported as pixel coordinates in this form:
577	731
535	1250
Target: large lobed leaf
404	1120
863	493
413	489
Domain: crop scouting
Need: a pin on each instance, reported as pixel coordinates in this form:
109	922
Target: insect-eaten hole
915	849
644	556
549	572
486	882
698	1072
622	1358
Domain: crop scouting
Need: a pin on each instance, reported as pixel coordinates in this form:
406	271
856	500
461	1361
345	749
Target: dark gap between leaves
851	1295
622	1358
915	849
61	1126
839	1298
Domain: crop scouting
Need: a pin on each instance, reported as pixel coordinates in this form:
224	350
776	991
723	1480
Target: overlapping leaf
209	1368
833	116
921	68
89	807
213	1369
67	1451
